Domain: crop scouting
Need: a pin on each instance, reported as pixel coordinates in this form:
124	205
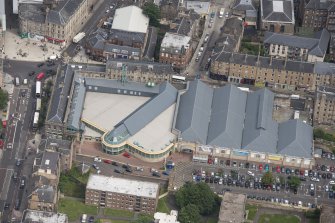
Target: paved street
18	127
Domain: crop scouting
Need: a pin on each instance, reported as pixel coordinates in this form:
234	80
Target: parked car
118	171
95	166
40	65
97	159
156	174
125	154
108	161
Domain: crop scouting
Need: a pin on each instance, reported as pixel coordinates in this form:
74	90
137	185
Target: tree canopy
198	194
189	213
151	10
294	182
3	99
267	178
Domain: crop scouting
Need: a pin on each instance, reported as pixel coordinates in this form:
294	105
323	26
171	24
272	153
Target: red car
260	167
302	172
108	161
126	155
278	169
40	76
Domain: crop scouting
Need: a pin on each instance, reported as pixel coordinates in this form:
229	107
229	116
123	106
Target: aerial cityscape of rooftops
167	111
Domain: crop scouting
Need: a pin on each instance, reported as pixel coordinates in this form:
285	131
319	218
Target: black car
323	168
118	171
156	174
295	191
17	204
31	73
227	162
6	206
91	219
129	169
312	192
114	163
329	175
40	65
125	166
324	176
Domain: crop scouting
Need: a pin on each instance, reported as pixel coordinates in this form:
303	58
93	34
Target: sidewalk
15	47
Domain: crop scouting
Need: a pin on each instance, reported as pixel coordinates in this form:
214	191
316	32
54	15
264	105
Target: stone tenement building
57	21
324	107
267	71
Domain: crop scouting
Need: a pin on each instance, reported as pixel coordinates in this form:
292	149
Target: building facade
176	50
277	16
324	107
315	14
297	48
121	193
57	21
268	71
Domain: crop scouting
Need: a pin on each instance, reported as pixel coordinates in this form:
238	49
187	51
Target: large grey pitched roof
194	112
324	68
62	87
63	11
127	37
295	138
265	62
227	117
318	4
260	131
138	119
317	46
244	5
272	13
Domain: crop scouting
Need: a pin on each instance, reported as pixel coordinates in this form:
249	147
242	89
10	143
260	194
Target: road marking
6	184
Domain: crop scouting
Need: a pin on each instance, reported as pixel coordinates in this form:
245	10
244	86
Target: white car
107	11
326	188
306	173
111	7
220	181
227	15
98	171
312	187
251	173
315	179
97	159
331	182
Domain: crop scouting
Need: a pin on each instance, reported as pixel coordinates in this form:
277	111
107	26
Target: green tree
3	99
151	10
294	182
267	178
198	194
282	180
189	213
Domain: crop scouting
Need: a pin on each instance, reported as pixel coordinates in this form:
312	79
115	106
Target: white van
83	218
25	81
251	173
17	81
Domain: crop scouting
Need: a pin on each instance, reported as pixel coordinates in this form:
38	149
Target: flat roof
175	40
44	217
157	134
278	6
123	186
232	208
107	110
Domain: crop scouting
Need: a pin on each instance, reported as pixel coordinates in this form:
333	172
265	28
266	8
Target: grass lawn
278	218
118	213
74	209
252	211
162	205
313	221
72	183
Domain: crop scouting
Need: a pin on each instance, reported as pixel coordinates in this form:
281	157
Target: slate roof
260	131
45	193
32	12
142	116
244	5
295	138
62	87
324	68
229	117
317	46
265	62
183	27
63	11
318	4
50	161
194	112
272	13
233	26
127	37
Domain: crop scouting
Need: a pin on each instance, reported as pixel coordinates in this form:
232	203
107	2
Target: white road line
6	184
